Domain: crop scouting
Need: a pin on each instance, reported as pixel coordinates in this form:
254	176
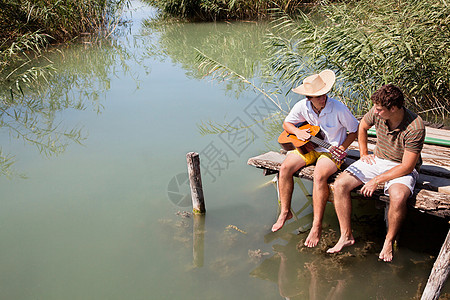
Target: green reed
370	43
28	26
209	10
60	20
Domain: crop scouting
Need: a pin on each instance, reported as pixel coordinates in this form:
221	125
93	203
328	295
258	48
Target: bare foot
282	218
386	253
343	242
313	237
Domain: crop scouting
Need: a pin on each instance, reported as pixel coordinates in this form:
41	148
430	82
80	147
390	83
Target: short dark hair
388	95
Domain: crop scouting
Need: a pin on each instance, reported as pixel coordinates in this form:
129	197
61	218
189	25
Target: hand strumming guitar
303	134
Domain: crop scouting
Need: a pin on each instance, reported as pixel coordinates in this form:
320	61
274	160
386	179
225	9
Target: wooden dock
431	193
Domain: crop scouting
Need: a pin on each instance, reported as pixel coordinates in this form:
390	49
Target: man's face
384	112
318	101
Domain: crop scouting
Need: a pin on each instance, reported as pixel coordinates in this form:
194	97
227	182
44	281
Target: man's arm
362	141
409	161
301	134
348	140
408	164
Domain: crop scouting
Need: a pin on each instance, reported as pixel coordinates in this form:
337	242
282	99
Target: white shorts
364	172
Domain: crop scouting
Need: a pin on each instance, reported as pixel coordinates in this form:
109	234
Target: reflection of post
199	240
439	273
195	180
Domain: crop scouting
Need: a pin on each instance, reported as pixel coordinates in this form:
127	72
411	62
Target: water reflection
238	45
239	48
82	76
199	240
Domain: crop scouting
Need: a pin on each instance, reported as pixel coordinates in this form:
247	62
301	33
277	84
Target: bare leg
398	195
343	185
325	167
291	164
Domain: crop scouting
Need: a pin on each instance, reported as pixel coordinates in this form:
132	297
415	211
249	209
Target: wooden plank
438	133
434	183
438	181
433	203
429	201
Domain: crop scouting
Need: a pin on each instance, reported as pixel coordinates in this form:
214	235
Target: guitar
291	142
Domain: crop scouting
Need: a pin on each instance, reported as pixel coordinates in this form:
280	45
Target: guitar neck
320	142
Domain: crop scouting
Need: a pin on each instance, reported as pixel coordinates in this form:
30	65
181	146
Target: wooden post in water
439	273
195	180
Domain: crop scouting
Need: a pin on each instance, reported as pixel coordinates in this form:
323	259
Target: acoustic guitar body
290	142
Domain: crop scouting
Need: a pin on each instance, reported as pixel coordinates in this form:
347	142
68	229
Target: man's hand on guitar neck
338	153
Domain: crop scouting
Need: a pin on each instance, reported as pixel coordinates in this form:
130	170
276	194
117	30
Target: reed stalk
214	10
28	26
371	43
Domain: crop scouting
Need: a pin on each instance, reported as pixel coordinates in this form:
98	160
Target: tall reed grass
212	10
370	43
28	26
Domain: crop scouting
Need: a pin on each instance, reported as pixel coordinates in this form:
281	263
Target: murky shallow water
106	219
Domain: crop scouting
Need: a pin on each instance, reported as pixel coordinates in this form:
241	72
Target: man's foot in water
314	236
387	253
282	218
344	241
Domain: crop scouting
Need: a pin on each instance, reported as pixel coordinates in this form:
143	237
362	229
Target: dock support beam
195	180
439	273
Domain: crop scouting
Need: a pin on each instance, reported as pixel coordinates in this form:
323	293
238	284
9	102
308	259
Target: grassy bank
55	21
27	27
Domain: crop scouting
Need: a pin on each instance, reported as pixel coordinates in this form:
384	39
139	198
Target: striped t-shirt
391	144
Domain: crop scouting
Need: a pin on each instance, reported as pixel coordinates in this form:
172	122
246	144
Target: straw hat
317	84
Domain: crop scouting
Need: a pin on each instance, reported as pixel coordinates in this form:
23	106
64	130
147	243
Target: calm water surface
108	219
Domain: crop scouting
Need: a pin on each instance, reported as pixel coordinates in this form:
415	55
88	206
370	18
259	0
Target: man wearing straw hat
339	128
400	138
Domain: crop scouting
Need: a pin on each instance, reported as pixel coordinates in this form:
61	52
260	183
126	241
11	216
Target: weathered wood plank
429	201
438	133
434	183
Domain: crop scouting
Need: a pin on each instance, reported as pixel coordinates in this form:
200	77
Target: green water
106	219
